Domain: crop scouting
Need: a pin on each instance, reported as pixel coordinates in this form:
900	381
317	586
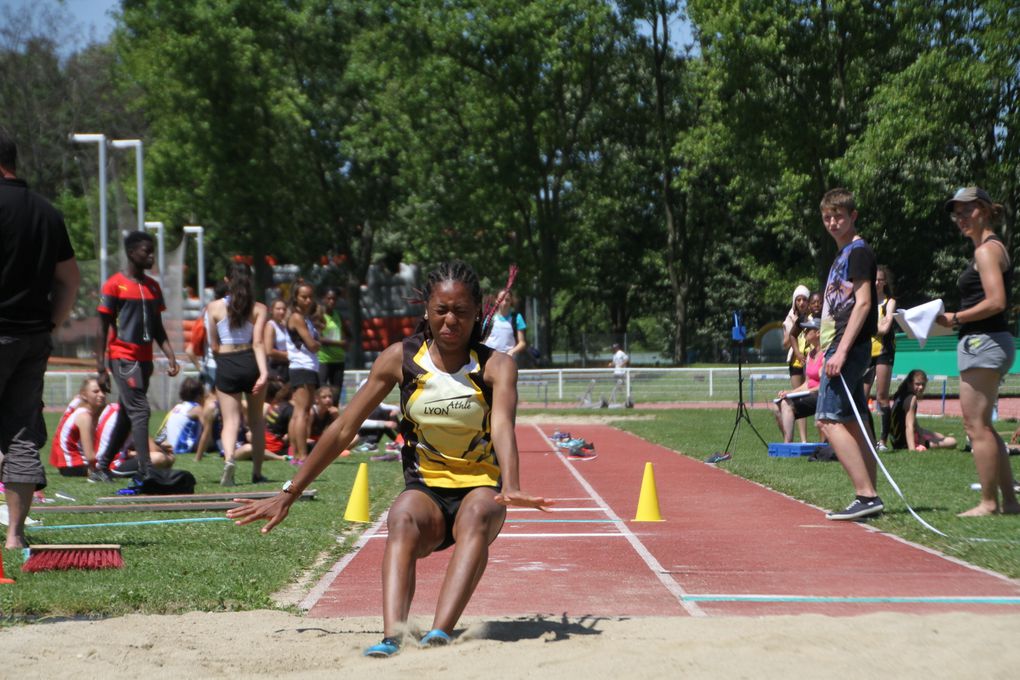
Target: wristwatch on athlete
288	487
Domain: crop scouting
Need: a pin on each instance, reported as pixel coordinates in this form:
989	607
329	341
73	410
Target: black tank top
972	292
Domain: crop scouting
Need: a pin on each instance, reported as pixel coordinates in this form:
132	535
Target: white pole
198	232
139	175
100	140
160	250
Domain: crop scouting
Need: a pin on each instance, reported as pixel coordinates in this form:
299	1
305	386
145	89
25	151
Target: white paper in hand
919	322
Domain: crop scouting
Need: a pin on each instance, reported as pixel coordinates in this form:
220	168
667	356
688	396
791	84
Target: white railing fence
566	387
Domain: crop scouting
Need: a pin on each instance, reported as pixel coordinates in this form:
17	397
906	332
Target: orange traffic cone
3	579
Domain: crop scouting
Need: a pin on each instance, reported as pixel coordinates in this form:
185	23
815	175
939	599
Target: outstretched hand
523	500
274	510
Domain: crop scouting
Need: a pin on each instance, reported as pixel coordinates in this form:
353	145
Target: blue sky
93	13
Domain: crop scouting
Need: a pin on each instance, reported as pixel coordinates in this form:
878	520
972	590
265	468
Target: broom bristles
64	557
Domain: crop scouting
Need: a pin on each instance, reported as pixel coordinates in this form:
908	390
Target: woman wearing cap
794	340
985	352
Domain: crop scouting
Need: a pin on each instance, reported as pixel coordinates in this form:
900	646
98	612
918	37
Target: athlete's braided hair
456	271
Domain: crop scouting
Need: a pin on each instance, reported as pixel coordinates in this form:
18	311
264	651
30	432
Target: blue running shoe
388	647
571	443
435	638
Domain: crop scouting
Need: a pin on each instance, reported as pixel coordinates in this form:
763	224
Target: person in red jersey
131	312
75	442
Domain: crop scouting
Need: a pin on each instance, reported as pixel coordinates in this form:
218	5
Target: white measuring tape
896	487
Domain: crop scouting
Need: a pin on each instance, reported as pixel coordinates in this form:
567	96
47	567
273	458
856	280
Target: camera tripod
742	413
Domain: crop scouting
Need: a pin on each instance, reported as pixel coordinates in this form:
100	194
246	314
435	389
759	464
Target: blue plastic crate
780	450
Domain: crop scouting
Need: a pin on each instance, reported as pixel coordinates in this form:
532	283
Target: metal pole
100	140
139	175
160	248
198	232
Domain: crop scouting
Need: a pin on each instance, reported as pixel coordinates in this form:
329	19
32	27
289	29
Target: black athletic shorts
304	376
805	406
796	370
449	501
236	372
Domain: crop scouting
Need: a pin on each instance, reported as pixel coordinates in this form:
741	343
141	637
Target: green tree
495	102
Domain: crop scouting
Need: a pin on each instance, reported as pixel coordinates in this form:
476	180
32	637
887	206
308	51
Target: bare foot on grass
981	510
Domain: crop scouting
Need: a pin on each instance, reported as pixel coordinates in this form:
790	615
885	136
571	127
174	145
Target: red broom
81	556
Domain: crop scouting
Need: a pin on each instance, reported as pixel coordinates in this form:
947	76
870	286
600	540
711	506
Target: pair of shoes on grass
391	645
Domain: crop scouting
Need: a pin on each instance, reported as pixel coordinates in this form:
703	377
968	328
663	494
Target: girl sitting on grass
904	432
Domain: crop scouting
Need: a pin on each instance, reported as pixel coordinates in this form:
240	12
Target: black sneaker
98	476
858	510
259	479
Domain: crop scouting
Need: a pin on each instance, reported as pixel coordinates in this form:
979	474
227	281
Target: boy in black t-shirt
849	319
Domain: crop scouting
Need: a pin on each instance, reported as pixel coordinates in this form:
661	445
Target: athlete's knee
480	516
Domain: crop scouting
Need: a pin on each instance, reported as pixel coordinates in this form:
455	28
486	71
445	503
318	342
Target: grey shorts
22	429
981	350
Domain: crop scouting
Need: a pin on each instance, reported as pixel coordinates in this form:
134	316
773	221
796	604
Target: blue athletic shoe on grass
434	638
388	647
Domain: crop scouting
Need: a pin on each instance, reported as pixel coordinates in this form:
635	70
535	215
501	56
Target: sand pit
274	644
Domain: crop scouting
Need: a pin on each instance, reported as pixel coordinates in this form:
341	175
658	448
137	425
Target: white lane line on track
327	579
554	509
671	585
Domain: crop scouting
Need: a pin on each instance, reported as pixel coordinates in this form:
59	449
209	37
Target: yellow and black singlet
446	420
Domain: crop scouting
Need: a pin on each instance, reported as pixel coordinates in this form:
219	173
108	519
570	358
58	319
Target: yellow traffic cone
357	504
648	502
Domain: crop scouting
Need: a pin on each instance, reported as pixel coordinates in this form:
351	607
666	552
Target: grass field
215	566
209	566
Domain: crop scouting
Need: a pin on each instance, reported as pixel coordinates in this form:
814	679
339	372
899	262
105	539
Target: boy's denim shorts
833	404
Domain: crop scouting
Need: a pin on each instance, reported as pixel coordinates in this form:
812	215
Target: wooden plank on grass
307	494
146	507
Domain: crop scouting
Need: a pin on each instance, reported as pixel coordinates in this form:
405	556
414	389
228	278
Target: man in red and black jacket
131	311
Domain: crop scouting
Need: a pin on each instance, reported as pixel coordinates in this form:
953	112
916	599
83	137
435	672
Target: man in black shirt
38	285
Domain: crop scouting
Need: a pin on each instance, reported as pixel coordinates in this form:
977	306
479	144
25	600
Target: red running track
727	547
